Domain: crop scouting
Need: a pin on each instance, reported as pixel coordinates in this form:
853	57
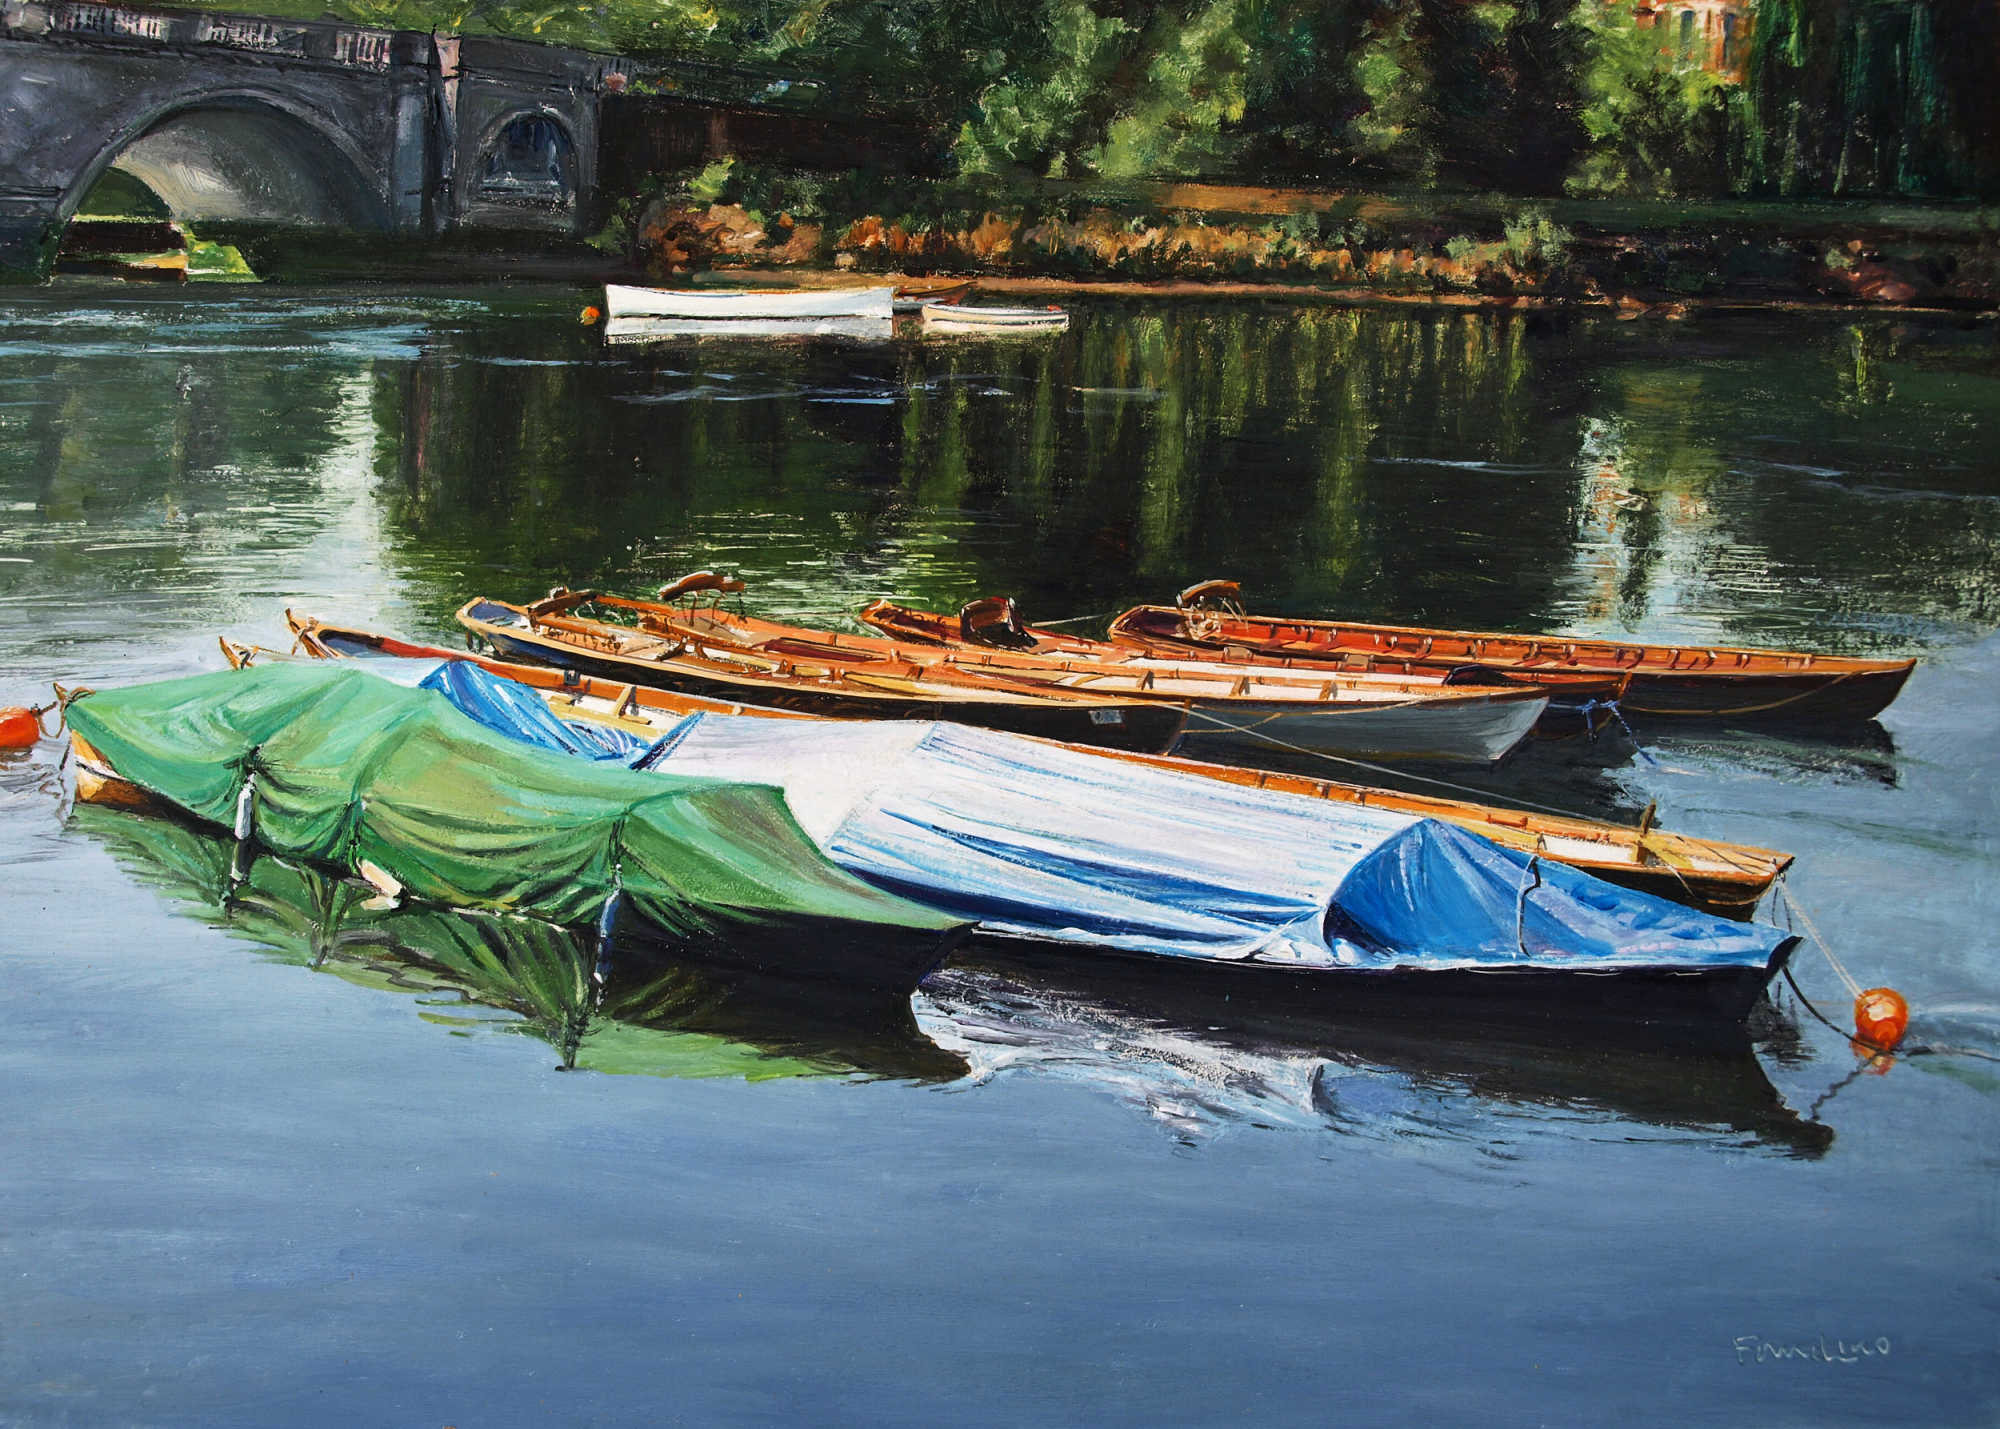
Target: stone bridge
235	119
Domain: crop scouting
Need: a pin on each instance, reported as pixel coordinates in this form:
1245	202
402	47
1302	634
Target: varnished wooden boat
857	689
1715	876
1378	717
1579	701
1683	681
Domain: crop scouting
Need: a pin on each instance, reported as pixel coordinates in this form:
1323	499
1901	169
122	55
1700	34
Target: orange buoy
588	316
1881	1017
19	728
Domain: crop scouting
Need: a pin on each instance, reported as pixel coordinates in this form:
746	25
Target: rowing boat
911	297
331	764
994	623
1228	709
1045	844
1691	681
957	318
632	332
753	304
844	689
1728	879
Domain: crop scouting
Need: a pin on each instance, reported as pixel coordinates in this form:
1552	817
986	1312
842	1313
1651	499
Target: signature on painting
1755	1349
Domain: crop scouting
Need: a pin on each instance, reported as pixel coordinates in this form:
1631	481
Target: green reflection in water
632	1011
1433	466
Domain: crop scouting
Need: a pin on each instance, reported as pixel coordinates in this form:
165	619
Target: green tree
1657	122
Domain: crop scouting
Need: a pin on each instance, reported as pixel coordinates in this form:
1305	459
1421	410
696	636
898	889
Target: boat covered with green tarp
351	770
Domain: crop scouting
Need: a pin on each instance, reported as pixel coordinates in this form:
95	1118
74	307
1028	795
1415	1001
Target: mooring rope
1921	1049
1464	790
1794	909
1073	620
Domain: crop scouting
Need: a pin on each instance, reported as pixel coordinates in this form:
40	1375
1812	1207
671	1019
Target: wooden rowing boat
1378	717
1713	875
1579	701
1687	681
846	689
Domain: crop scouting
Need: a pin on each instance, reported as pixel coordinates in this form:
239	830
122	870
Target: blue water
242	1187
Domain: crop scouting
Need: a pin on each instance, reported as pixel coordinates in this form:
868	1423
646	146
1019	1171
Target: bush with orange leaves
1104	244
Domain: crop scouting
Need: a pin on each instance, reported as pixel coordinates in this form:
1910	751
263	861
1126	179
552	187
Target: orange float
1881	1017
20	728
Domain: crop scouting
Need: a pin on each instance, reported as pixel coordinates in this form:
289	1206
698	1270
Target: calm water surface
276	1157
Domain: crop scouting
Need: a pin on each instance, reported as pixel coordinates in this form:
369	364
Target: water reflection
630	1010
1196	1065
1200	1064
1732	481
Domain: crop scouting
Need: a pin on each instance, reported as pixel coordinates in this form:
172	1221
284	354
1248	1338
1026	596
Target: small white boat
621	331
753	304
957	317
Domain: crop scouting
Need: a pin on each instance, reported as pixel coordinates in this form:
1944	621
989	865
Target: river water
272	1157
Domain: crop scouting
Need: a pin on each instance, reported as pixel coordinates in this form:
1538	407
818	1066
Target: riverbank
1463	251
1191	290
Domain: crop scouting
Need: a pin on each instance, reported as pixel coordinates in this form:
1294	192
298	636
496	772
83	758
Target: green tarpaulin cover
350	767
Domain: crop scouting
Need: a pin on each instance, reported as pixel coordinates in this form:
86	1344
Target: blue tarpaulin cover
1039	840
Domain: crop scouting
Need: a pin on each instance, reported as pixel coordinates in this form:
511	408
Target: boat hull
1799	699
622	301
1677	1004
1719	683
630	330
1470	731
1140	728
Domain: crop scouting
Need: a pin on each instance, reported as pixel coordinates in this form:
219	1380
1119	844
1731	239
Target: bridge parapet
314	41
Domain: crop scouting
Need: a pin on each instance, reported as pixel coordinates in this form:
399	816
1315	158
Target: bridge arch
241	155
528	156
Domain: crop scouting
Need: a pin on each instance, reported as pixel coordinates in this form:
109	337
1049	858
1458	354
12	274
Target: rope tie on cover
607	922
1534	869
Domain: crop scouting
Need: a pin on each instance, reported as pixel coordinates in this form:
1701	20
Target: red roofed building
1714	34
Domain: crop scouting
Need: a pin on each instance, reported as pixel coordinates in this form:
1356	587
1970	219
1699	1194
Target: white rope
1074	620
1792	905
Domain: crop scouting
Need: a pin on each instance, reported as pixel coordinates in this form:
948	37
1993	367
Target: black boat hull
1698	1005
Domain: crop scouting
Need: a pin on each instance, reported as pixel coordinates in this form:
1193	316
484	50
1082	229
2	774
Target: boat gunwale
1122	631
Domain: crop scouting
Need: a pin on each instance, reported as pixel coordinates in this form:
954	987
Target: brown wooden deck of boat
720	634
861	690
